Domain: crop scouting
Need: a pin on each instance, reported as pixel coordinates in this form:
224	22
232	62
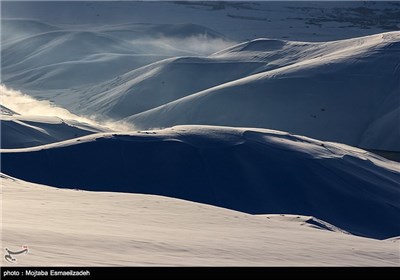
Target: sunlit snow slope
214	104
345	91
124	60
67	227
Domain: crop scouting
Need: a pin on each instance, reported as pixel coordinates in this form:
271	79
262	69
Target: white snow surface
301	67
345	91
74	228
227	78
256	171
26	131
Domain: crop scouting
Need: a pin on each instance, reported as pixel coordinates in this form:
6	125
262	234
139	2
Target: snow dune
251	170
67	227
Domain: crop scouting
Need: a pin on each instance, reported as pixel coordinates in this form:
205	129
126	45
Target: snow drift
251	170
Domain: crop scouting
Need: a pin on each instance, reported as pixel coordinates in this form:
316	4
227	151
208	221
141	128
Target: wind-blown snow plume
27	105
200	44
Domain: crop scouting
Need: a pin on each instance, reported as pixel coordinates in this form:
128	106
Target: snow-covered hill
74	56
247	83
28	131
125	60
344	91
68	227
168	80
255	171
32	122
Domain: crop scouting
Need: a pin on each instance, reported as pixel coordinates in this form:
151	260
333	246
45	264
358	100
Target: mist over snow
201	44
195	45
26	105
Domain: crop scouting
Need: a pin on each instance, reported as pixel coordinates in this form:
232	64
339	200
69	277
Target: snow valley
201	133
